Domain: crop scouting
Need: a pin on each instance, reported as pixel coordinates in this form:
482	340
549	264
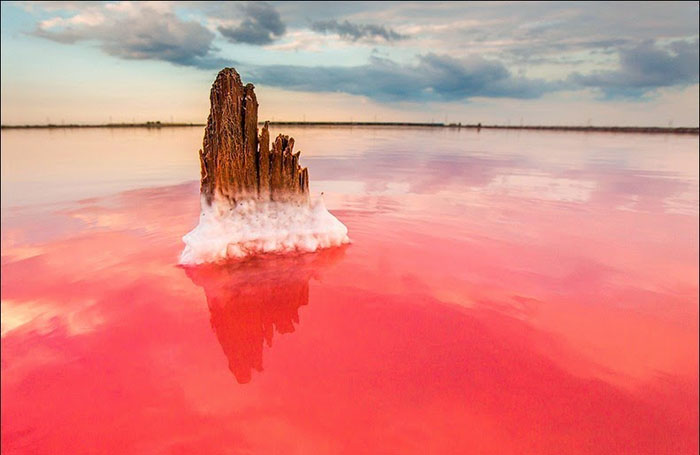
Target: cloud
483	51
135	32
433	78
646	67
262	25
353	32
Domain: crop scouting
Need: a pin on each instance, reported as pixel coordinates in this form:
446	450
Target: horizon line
477	126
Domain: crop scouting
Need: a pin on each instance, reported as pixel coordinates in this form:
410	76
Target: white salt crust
253	227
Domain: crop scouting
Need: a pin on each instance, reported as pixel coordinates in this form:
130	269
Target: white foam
253	227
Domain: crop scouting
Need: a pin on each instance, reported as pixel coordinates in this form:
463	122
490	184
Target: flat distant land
103	125
477	126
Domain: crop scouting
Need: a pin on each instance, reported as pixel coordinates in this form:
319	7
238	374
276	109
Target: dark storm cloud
646	67
353	32
262	25
432	78
145	34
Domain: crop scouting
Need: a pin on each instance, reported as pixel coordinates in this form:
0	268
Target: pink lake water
504	292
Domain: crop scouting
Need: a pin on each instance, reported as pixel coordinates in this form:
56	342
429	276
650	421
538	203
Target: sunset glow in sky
505	63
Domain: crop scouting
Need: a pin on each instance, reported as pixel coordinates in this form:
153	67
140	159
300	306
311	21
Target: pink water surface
503	293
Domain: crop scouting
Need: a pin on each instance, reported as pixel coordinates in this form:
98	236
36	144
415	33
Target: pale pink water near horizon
504	292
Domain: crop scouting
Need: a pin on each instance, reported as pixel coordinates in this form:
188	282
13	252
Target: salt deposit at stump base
253	227
254	195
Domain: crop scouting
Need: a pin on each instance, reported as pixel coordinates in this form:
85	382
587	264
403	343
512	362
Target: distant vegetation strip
609	129
103	125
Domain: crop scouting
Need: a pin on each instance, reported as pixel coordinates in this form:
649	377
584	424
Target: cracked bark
236	163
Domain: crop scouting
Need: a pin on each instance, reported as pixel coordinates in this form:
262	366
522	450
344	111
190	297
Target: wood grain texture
236	162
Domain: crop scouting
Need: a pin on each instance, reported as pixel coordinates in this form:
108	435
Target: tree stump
236	163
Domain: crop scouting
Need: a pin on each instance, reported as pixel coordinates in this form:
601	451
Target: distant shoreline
606	129
610	129
101	125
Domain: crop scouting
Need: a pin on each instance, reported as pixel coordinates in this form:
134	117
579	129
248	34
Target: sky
550	63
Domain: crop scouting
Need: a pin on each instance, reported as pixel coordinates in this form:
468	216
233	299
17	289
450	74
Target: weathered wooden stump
237	164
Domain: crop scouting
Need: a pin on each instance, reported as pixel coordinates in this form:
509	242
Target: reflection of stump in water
248	301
